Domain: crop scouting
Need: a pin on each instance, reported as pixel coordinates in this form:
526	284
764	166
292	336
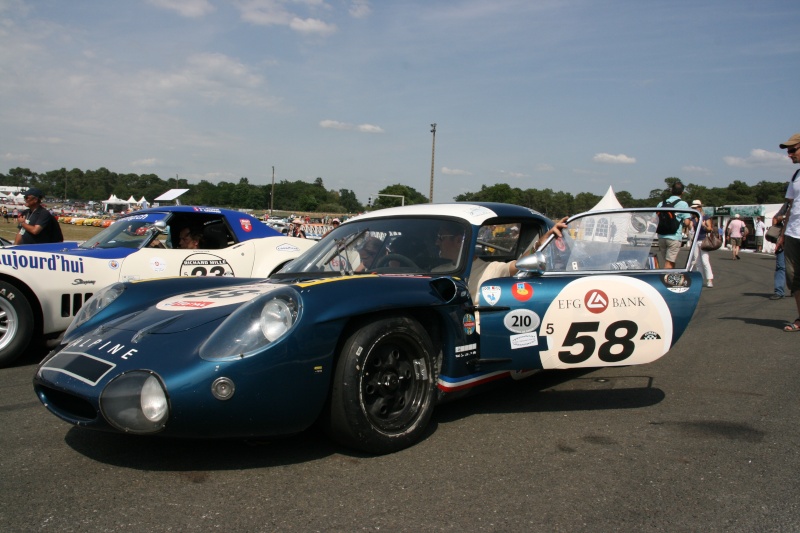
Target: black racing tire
384	386
16	323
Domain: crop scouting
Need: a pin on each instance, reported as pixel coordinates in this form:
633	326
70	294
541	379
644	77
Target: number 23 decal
617	347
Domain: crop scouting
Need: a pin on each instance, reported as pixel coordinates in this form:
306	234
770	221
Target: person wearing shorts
790	238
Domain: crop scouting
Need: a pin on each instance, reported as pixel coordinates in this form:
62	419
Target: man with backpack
669	228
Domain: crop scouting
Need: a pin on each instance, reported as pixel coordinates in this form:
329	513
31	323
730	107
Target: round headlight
253	326
153	400
276	319
135	402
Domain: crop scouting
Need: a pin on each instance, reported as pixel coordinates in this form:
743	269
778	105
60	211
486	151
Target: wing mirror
535	263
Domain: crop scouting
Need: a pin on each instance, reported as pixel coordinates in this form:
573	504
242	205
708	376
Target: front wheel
16	323
383	392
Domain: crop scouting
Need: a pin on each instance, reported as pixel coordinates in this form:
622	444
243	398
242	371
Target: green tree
409	194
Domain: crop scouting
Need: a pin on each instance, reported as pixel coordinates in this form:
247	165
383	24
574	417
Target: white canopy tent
606	227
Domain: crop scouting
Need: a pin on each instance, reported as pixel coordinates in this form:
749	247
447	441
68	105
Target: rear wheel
383	391
16	323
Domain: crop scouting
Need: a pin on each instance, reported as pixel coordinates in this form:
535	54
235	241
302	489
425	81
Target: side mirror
535	263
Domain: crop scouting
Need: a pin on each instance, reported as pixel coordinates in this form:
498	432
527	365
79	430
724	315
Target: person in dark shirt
37	225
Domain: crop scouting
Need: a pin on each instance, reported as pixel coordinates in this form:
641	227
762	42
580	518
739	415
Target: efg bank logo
596	301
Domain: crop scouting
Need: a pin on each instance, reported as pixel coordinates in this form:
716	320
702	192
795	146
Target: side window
498	242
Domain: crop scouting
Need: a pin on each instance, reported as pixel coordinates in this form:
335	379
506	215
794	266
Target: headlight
99	301
135	402
254	325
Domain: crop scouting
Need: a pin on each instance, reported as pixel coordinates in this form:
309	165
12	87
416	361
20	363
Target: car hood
73	248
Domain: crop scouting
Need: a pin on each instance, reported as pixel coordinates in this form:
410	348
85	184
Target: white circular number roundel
203	264
606	321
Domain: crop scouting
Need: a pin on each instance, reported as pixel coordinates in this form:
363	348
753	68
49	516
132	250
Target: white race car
43	286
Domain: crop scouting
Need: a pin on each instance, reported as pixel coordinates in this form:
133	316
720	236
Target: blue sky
570	95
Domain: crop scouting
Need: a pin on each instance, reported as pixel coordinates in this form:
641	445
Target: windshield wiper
342	245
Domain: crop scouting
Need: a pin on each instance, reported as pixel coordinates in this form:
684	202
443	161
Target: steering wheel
403	260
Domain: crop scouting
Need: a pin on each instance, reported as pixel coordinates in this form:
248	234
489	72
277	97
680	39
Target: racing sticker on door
605	321
205	265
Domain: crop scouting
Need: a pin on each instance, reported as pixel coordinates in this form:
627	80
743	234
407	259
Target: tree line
300	196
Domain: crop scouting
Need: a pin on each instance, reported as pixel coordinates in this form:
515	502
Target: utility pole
433	155
272	194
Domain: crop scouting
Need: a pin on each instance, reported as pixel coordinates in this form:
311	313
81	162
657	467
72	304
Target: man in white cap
736	231
790	238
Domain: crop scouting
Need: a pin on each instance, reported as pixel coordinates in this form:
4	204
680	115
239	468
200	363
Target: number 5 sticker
606	321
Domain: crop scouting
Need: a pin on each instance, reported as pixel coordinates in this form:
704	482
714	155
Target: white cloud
455	172
149	162
545	167
758	158
185	8
43	140
691	169
620	159
18	158
360	9
346	126
274	13
312	26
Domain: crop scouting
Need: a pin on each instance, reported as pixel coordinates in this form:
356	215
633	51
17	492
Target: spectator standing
704	226
760	228
37	225
735	234
790	236
780	260
669	244
296	229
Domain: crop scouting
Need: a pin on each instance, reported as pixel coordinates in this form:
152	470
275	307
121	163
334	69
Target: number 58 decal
617	347
633	326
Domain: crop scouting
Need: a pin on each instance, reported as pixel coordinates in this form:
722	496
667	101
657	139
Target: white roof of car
474	214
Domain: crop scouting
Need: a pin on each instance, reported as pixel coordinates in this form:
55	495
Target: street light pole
433	155
272	194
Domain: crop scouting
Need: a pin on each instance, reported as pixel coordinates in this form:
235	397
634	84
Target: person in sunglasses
37	225
790	236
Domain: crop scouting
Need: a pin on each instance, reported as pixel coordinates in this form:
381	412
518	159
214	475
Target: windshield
397	245
135	231
607	241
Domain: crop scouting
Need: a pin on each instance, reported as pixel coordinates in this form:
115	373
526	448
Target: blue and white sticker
491	293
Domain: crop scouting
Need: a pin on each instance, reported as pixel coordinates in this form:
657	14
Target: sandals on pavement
789	328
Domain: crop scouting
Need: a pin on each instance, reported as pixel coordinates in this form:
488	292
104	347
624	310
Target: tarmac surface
707	438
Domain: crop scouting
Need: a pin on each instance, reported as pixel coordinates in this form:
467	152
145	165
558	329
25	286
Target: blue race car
42	286
391	313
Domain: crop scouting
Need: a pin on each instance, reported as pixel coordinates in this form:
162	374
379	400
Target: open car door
594	297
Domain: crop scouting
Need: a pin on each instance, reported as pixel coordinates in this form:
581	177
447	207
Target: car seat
215	236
